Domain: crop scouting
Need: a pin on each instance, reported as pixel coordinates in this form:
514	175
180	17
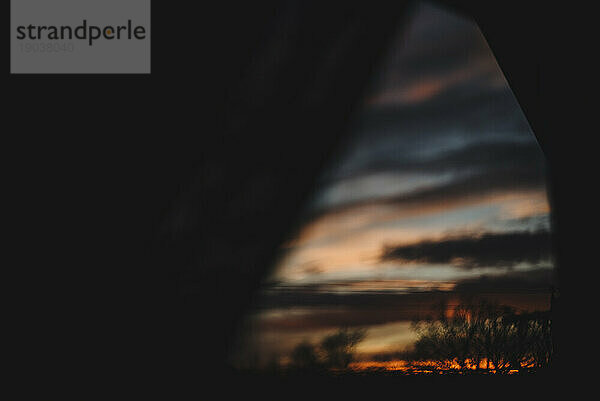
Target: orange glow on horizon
417	367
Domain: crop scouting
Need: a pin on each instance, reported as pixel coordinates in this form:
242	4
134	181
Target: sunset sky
439	190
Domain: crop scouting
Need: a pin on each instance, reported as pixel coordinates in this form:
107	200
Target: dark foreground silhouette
481	334
475	337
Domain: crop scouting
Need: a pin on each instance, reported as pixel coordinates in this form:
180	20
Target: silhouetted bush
339	347
480	331
335	351
305	357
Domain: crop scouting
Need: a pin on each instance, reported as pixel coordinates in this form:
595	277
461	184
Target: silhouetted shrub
335	351
305	357
475	332
339	347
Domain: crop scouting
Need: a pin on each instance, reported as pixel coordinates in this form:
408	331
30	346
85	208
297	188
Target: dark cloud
411	137
470	107
531	280
484	156
479	184
488	250
470	123
319	297
324	318
327	310
478	107
486	176
489	156
434	43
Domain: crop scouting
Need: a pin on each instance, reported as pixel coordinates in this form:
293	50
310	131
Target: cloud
481	155
483	183
295	310
437	49
487	250
530	280
455	119
483	175
439	106
485	156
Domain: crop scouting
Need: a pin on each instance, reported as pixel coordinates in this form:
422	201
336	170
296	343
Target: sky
439	190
